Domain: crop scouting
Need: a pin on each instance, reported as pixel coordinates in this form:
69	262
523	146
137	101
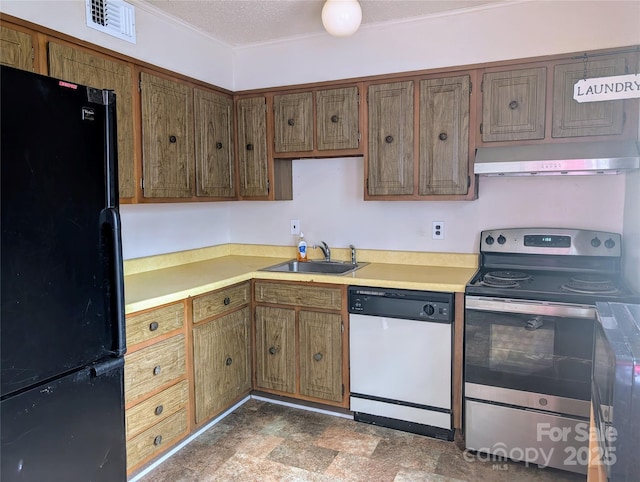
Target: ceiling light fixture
341	18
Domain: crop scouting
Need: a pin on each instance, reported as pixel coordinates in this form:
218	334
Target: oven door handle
529	307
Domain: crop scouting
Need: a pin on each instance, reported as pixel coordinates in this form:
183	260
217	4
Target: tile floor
262	442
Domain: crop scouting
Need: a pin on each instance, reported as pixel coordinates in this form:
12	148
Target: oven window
536	353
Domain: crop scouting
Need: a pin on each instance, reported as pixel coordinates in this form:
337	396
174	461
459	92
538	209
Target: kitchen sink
315	266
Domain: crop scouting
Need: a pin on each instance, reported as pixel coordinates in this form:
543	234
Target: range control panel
562	241
406	304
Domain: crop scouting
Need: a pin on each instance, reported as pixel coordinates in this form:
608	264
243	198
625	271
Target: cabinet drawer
154	323
156	439
153	366
218	302
156	408
299	295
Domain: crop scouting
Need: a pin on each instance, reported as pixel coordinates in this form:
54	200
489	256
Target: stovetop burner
590	288
591	278
507	275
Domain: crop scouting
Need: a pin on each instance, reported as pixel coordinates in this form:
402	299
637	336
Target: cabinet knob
153	326
158	440
317	356
249	147
157	370
172	139
273	350
218	145
334	118
291	122
443	136
158	410
226	300
228	361
388	139
513	104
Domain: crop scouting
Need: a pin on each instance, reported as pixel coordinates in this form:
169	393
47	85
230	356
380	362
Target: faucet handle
353	254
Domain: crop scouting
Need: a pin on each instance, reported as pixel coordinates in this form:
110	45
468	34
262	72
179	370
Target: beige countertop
157	280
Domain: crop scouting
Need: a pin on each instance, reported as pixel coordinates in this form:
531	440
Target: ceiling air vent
113	17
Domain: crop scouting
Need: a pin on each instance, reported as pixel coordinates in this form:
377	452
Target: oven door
515	347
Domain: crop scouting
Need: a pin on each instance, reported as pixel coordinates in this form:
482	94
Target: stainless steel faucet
353	254
325	250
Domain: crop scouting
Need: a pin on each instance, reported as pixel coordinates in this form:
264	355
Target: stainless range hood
571	158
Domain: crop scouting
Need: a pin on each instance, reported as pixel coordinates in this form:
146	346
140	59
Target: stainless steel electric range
529	329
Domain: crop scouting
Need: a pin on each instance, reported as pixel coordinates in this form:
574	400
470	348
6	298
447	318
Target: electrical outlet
438	230
295	226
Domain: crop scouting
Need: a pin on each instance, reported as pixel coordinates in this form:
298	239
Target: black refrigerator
62	324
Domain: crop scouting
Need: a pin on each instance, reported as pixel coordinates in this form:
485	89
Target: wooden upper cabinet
293	122
167	137
513	105
251	115
16	49
213	144
444	135
573	119
391	153
337	119
94	70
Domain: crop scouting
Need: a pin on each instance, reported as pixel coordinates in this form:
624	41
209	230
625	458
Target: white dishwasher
400	344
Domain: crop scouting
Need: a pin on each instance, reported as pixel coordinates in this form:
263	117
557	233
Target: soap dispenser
302	248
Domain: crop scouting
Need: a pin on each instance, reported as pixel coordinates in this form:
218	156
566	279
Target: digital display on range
547	240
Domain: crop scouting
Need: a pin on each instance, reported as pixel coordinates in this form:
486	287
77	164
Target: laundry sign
601	89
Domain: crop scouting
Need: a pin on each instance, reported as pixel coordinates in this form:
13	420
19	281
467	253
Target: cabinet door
444	135
337	119
573	119
16	49
275	349
221	362
293	122
513	104
167	137
213	117
252	147
82	67
391	157
321	355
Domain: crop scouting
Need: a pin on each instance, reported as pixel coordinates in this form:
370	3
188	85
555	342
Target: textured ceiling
245	22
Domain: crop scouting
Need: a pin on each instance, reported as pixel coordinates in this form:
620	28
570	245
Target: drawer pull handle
158	410
317	356
273	350
153	326
156	370
334	118
249	147
226	300
228	361
388	139
443	136
172	139
158	440
291	122
218	145
513	104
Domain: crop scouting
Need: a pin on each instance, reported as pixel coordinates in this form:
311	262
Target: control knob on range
595	242
429	309
609	243
502	239
489	239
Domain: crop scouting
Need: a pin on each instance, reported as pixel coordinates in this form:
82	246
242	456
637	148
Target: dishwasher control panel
397	303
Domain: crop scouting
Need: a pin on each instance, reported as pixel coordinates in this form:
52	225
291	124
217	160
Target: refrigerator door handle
103	367
112	239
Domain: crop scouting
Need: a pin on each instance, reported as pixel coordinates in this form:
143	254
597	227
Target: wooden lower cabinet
301	341
156	384
221	337
221	362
